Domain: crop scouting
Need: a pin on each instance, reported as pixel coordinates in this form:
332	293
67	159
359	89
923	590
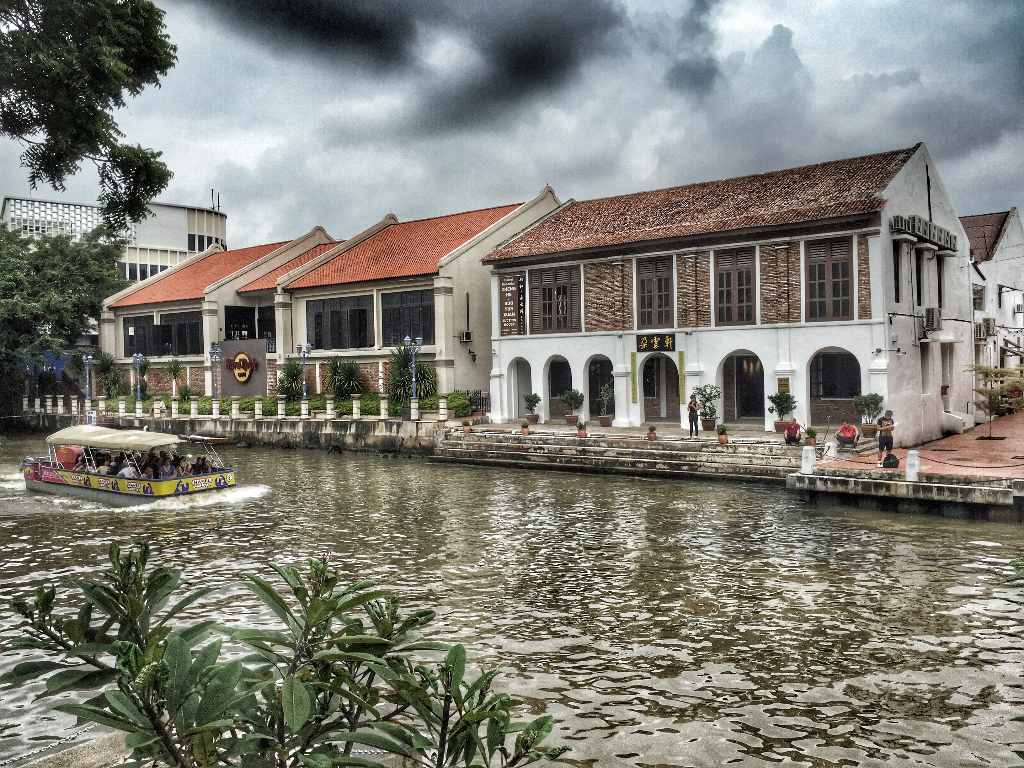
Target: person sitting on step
792	434
847	435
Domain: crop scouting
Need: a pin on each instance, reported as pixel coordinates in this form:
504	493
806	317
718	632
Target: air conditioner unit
932	319
979	332
466	337
989	324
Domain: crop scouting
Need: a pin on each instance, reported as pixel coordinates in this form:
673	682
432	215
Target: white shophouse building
831	280
997	286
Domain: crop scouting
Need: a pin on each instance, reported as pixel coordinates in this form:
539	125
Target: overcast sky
304	112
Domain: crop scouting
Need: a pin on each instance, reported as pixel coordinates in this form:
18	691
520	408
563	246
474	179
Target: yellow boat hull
118	490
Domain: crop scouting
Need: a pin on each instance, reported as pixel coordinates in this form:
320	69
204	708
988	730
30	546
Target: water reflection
663	623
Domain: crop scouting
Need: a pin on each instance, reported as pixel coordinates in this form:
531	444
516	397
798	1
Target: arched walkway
834	378
742	377
599	377
520	384
557	379
660	378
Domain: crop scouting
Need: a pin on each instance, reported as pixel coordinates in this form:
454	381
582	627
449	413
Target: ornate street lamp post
137	359
303	350
216	355
87	361
415	348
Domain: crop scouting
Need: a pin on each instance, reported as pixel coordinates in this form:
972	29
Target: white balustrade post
24	404
215	408
193	408
330	407
138	409
122	406
101	406
808	460
913	465
39	405
383	406
60	405
257	408
281	406
414	409
74	406
174	407
357	407
236	408
304	409
49	404
442	408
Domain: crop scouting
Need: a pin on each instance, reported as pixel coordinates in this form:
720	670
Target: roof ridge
458	213
987	213
752	175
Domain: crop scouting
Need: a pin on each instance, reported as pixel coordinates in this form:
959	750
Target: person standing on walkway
693	410
886	425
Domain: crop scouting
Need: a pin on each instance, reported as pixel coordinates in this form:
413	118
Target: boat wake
229	497
12	481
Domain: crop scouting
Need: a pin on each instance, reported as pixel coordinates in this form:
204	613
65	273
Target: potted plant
723	434
532	400
707	396
810	436
573	400
869	408
652	432
581	428
605	396
782	404
467	427
524	427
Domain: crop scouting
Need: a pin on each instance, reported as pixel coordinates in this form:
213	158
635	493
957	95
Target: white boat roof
90	436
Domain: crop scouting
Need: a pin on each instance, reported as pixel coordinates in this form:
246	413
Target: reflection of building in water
167	237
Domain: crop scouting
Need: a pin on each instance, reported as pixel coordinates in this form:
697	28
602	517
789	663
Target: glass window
897	270
940	275
654	293
408	313
734	287
139	335
828	280
183	334
835	375
555	300
239	322
978	294
919	277
133	272
266	322
143	271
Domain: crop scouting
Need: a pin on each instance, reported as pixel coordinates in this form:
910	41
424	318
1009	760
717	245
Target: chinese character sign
656	342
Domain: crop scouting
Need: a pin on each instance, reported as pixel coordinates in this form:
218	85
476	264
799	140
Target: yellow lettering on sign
782	384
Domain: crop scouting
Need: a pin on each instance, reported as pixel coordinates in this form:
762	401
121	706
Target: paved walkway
964	455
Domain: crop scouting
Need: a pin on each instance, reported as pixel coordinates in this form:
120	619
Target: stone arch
557	379
599	372
659	386
834	379
741	377
519	384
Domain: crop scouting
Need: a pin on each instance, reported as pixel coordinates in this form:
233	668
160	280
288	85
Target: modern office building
167	237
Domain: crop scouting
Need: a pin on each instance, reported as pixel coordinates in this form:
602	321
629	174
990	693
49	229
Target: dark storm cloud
696	68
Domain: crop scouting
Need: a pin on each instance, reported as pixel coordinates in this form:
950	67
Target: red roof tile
983	230
268	282
807	193
405	249
190	282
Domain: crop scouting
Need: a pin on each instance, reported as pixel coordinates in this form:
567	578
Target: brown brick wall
158	380
863	279
693	284
370	374
833	412
608	290
271	376
780	283
197	380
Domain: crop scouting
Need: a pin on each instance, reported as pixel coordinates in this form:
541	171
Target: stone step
758	448
787	458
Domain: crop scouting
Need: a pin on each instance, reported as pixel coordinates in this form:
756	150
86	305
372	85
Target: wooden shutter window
829	283
555	298
654	293
734	287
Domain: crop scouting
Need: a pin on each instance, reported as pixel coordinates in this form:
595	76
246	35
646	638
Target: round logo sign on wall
241	367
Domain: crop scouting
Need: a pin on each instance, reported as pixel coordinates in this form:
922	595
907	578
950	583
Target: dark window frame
827	261
897	270
407	313
735	287
654	294
918	277
555	300
840	384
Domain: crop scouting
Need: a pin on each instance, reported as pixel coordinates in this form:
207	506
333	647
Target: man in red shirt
847	435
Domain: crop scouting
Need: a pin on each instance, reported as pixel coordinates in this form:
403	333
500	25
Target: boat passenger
148	473
102	467
167	470
200	467
128	472
80	464
185	466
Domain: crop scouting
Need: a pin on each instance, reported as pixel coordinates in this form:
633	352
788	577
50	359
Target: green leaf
138	740
295	700
373	739
219	693
361	599
179	661
29	670
204	750
359	640
124	706
456	661
184	603
97	715
79	678
265	592
195	633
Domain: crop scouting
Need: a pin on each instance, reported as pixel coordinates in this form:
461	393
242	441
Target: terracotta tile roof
190	282
404	249
983	232
268	282
810	192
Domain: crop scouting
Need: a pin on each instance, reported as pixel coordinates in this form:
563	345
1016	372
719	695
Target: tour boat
73	466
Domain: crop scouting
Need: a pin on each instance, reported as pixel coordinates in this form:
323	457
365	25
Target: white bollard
330	408
383	406
215	407
257	408
102	405
913	465
174	407
193	408
414	409
122	406
357	407
60	405
282	404
138	409
304	409
236	408
442	408
808	460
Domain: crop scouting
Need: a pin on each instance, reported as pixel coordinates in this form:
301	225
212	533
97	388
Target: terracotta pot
581	433
604	421
533	418
869	430
571	420
780	426
524	430
708	425
810	441
723	439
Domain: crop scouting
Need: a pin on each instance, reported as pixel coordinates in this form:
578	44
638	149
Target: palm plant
400	376
345	378
107	375
289	380
174	369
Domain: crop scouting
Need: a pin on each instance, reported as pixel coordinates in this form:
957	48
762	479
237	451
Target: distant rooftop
983	230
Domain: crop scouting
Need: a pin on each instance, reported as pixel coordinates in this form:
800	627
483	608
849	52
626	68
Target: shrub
174	369
289	380
782	404
532	400
707	396
185	392
605	396
572	398
459	404
400	376
869	405
344	666
345	378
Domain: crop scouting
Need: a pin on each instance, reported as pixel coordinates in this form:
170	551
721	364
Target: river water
663	623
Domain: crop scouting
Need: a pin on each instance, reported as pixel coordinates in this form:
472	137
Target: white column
138	409
330	407
257	408
414	409
193	408
108	332
60	405
215	407
442	408
281	406
383	406
356	407
174	407
444	333
304	409
236	407
283	323
122	406
101	404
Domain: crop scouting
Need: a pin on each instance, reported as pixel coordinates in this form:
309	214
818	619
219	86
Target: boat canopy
90	436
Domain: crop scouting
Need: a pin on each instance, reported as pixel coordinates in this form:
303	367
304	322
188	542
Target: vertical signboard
512	289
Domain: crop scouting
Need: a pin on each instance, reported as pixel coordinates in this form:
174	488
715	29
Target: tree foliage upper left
65	67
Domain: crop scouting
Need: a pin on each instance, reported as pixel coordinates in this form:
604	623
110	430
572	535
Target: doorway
743	387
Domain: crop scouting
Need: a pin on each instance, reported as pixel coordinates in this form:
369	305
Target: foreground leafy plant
343	668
